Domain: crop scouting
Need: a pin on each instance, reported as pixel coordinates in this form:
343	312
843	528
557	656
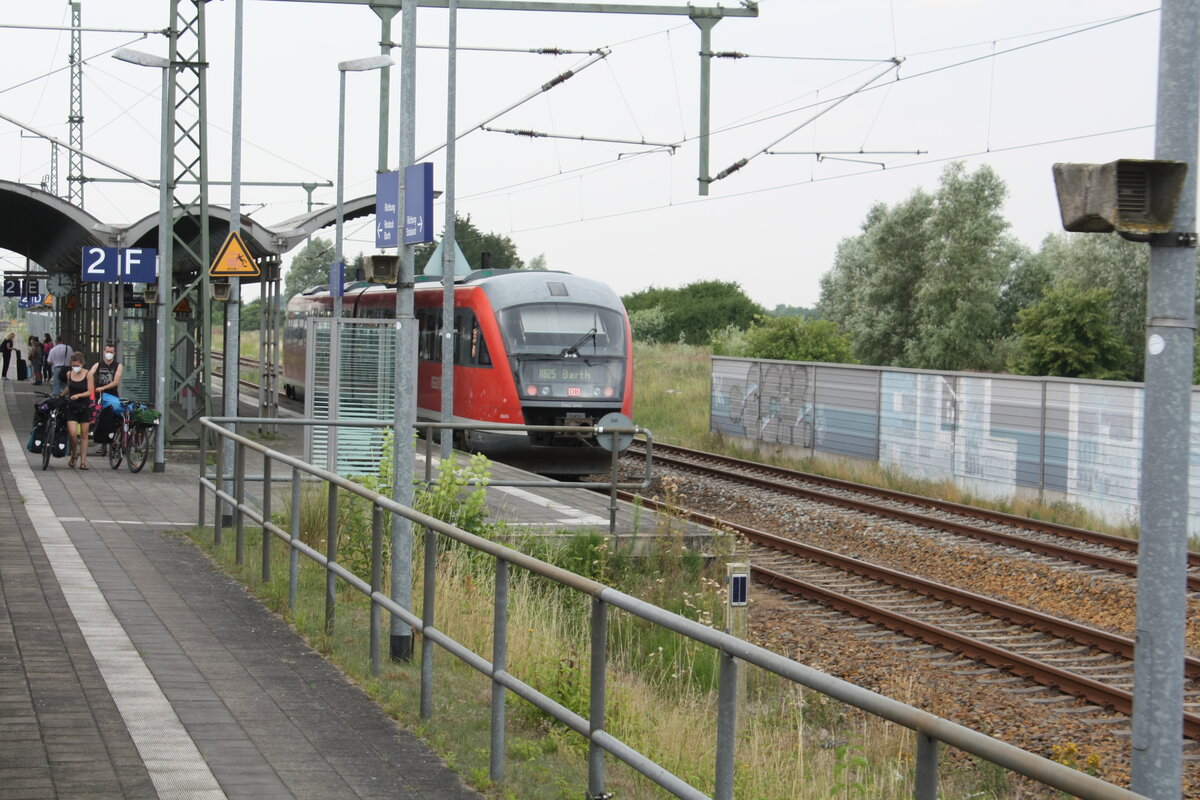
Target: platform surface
130	667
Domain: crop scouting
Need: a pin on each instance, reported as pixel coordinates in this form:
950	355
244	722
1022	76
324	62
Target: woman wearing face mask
79	392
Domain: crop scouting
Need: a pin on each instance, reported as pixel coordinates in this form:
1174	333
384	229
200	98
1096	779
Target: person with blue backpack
106	375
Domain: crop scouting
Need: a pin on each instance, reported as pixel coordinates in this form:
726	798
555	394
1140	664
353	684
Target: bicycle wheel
116	448
139	448
47	440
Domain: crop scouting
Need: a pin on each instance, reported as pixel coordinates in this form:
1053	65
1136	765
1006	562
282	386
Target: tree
920	286
696	311
797	339
649	325
968	255
1025	285
538	263
1106	261
784	310
309	267
1070	334
474	243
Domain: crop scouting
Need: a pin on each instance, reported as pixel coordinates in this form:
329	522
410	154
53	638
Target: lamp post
165	265
337	278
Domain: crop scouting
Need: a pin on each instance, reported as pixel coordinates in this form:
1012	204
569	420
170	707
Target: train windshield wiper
573	350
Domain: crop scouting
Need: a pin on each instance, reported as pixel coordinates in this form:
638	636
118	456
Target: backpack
106	426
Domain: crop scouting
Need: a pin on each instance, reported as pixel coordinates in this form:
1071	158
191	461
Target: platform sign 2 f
113	264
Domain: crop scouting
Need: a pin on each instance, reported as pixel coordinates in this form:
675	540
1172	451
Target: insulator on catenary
732	168
556	81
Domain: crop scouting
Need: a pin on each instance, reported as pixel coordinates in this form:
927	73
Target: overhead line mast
75	178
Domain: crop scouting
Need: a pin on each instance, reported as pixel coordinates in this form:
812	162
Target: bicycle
45	433
134	434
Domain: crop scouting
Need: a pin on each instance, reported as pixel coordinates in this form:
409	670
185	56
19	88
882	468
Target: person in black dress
79	392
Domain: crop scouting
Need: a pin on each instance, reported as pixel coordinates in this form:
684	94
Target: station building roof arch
45	228
52	232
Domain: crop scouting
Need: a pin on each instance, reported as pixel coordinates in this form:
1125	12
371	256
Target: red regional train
531	347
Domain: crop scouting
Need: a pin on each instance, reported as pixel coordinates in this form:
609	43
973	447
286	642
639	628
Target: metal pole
376	583
499	664
266	514
1157	760
596	703
612	480
401	647
233	305
218	480
726	727
331	548
385	81
203	470
448	236
294	530
705	24
162	328
239	492
925	784
428	607
335	331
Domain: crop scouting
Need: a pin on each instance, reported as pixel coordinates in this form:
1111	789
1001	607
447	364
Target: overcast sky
1015	84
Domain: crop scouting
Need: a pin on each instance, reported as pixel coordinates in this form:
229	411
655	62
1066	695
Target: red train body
531	347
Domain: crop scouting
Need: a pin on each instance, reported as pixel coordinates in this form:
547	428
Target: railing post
612	480
597	700
294	530
925	785
376	583
499	664
726	726
203	470
218	480
331	543
239	492
429	455
429	576
266	515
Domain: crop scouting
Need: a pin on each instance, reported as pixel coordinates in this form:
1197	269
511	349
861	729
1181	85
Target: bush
797	339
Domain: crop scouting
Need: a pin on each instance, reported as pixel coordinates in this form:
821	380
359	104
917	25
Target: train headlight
609	391
531	390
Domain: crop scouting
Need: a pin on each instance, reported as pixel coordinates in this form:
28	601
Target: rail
930	730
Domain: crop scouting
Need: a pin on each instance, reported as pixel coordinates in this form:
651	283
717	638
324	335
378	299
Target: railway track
244	362
1088	549
1077	660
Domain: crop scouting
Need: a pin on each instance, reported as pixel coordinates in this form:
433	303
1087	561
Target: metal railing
930	730
614	434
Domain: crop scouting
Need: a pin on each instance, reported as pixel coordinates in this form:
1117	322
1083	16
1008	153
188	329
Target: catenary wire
793	184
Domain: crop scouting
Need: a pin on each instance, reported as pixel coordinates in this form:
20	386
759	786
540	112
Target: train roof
507	287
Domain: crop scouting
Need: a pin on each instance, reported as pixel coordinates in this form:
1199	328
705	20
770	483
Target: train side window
470	349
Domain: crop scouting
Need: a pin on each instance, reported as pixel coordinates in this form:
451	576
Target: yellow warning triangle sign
233	261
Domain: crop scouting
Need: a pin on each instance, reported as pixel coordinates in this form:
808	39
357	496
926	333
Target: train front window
558	329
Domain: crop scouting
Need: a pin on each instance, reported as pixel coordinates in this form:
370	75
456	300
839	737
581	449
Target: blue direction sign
112	264
387	213
337	279
418	203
